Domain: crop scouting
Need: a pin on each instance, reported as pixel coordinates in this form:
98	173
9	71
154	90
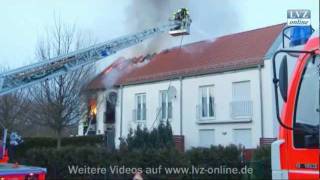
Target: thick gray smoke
210	18
144	14
122	67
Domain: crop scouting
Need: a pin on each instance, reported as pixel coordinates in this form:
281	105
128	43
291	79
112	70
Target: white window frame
239	82
143	99
167	101
200	107
248	102
251	136
213	138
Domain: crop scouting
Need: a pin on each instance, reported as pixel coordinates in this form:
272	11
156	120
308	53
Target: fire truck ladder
47	69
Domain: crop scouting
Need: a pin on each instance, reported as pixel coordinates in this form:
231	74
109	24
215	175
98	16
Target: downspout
181	107
121	109
261	101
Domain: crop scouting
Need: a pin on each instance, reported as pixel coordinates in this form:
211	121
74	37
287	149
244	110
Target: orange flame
93	110
93	107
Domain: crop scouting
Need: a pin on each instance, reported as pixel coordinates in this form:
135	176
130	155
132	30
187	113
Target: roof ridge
218	37
247	31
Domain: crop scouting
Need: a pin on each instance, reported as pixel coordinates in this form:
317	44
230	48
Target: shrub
141	149
216	157
47	142
261	163
57	161
157	138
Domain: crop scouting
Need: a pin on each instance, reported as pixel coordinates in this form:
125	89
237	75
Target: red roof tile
231	52
110	76
113	73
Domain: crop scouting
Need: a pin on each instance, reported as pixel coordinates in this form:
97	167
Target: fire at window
92	110
91	120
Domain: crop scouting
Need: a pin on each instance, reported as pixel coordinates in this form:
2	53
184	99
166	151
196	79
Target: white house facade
212	93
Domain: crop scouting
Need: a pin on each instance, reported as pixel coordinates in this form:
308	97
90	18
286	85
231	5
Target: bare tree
57	102
13	108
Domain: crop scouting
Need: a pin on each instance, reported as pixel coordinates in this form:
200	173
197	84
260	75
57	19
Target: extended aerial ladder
28	75
47	69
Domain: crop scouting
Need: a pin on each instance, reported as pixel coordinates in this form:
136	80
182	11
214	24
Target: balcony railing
241	109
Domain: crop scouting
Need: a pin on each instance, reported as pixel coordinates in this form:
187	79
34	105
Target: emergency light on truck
299	35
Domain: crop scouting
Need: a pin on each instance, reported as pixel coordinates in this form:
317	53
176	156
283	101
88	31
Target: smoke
115	71
122	67
214	18
144	14
209	20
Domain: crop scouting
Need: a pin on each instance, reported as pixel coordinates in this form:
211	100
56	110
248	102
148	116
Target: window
166	105
241	91
141	107
109	114
306	133
206	102
241	105
206	137
242	137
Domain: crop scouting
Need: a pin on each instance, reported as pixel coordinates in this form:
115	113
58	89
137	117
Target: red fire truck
296	153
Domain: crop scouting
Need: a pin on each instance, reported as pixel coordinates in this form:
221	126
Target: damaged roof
231	52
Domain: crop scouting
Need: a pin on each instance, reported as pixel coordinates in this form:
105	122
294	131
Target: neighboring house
212	92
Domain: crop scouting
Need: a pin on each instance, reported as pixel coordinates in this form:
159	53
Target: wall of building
223	124
270	123
100	97
152	91
101	108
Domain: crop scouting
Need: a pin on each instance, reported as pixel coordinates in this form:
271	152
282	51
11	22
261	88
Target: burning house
212	92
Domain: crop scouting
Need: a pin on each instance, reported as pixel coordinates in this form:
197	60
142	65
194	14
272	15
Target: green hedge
216	156
57	161
261	163
143	139
141	149
47	142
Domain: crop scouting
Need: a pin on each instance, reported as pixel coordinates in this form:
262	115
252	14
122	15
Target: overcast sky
23	23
